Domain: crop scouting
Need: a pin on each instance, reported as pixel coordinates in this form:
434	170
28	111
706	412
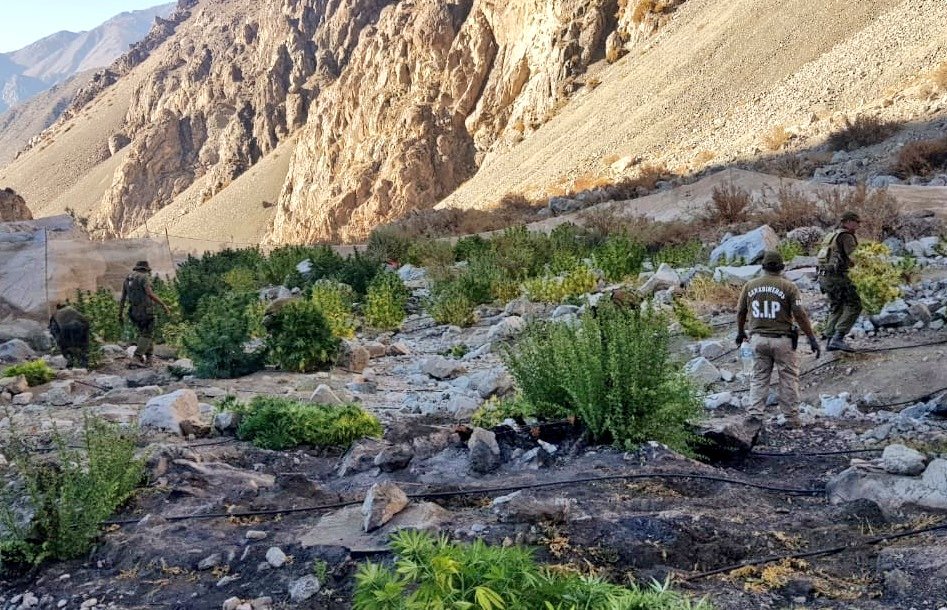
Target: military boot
838	344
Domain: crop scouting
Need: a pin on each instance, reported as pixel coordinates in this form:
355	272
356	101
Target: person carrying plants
835	259
138	292
769	309
70	329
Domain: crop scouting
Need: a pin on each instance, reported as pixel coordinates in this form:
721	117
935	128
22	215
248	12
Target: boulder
923	248
304	588
23	399
748	247
715	401
730	436
353	357
484	450
664	278
111	382
809	237
490	382
898	459
170	411
360	457
523	507
737	275
837	406
15	385
16	350
507	328
891	491
440	367
184	366
702	371
323	395
382	502
33	333
394	458
276	557
711	349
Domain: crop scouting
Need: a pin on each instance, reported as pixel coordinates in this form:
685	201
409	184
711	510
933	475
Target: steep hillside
396	106
51	60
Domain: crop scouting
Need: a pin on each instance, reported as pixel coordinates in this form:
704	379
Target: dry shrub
797	166
588	182
879	210
922	158
593	82
612	159
513	209
706	296
651	173
704	157
863	131
646	8
792	209
939	77
776	139
729	204
657	234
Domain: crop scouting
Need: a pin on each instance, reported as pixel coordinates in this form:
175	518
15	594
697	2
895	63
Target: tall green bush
101	308
335	301
280	423
299	338
614	371
69	495
619	257
217	341
386	301
206	276
433	572
450	305
877	279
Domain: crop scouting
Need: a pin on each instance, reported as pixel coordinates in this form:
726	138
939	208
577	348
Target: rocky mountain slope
51	60
400	106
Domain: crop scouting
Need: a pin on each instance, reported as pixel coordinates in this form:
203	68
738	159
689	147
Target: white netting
45	261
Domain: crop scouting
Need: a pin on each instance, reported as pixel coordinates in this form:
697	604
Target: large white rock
484	451
748	247
440	367
507	328
382	502
664	278
891	491
169	411
898	459
737	275
702	371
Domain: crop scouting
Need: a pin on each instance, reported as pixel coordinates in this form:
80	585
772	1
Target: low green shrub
878	281
36	372
217	341
388	244
205	276
300	339
554	289
468	248
496	410
101	308
449	305
693	326
70	494
280	423
335	301
386	301
679	255
169	328
614	371
790	249
909	269
433	572
619	257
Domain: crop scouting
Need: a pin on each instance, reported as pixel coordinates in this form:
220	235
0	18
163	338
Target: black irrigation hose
819	552
485	491
911	401
813	454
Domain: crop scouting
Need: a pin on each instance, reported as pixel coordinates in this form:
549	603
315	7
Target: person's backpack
828	261
136	292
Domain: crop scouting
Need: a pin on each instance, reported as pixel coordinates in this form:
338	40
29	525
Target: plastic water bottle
746	358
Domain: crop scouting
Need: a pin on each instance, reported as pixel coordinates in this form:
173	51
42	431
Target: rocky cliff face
397	102
13	207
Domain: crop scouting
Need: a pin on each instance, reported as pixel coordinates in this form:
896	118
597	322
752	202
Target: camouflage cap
773	261
851	216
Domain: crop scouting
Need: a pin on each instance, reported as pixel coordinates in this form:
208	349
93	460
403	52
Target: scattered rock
353	357
382	503
737	275
184	366
484	451
522	507
16	350
507	328
715	401
304	588
22	399
440	367
748	247
711	349
170	411
664	278
14	385
702	371
730	436
890	491
210	562
394	458
898	459
324	395
276	557
255	535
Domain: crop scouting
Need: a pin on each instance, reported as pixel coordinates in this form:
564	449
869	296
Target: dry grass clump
704	157
707	296
921	158
729	204
792	209
513	209
776	139
646	8
863	131
879	210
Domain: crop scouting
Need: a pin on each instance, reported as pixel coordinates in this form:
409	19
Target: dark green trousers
844	304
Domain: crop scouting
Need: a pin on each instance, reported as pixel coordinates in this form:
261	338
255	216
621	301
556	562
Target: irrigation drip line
819	552
812	454
435	495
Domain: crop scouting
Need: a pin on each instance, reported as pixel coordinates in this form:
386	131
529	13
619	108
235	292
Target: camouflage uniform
844	303
141	309
70	329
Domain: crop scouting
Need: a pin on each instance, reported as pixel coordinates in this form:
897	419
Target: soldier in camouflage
137	291
835	260
769	308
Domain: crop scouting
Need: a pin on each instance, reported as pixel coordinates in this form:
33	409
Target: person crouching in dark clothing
70	329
